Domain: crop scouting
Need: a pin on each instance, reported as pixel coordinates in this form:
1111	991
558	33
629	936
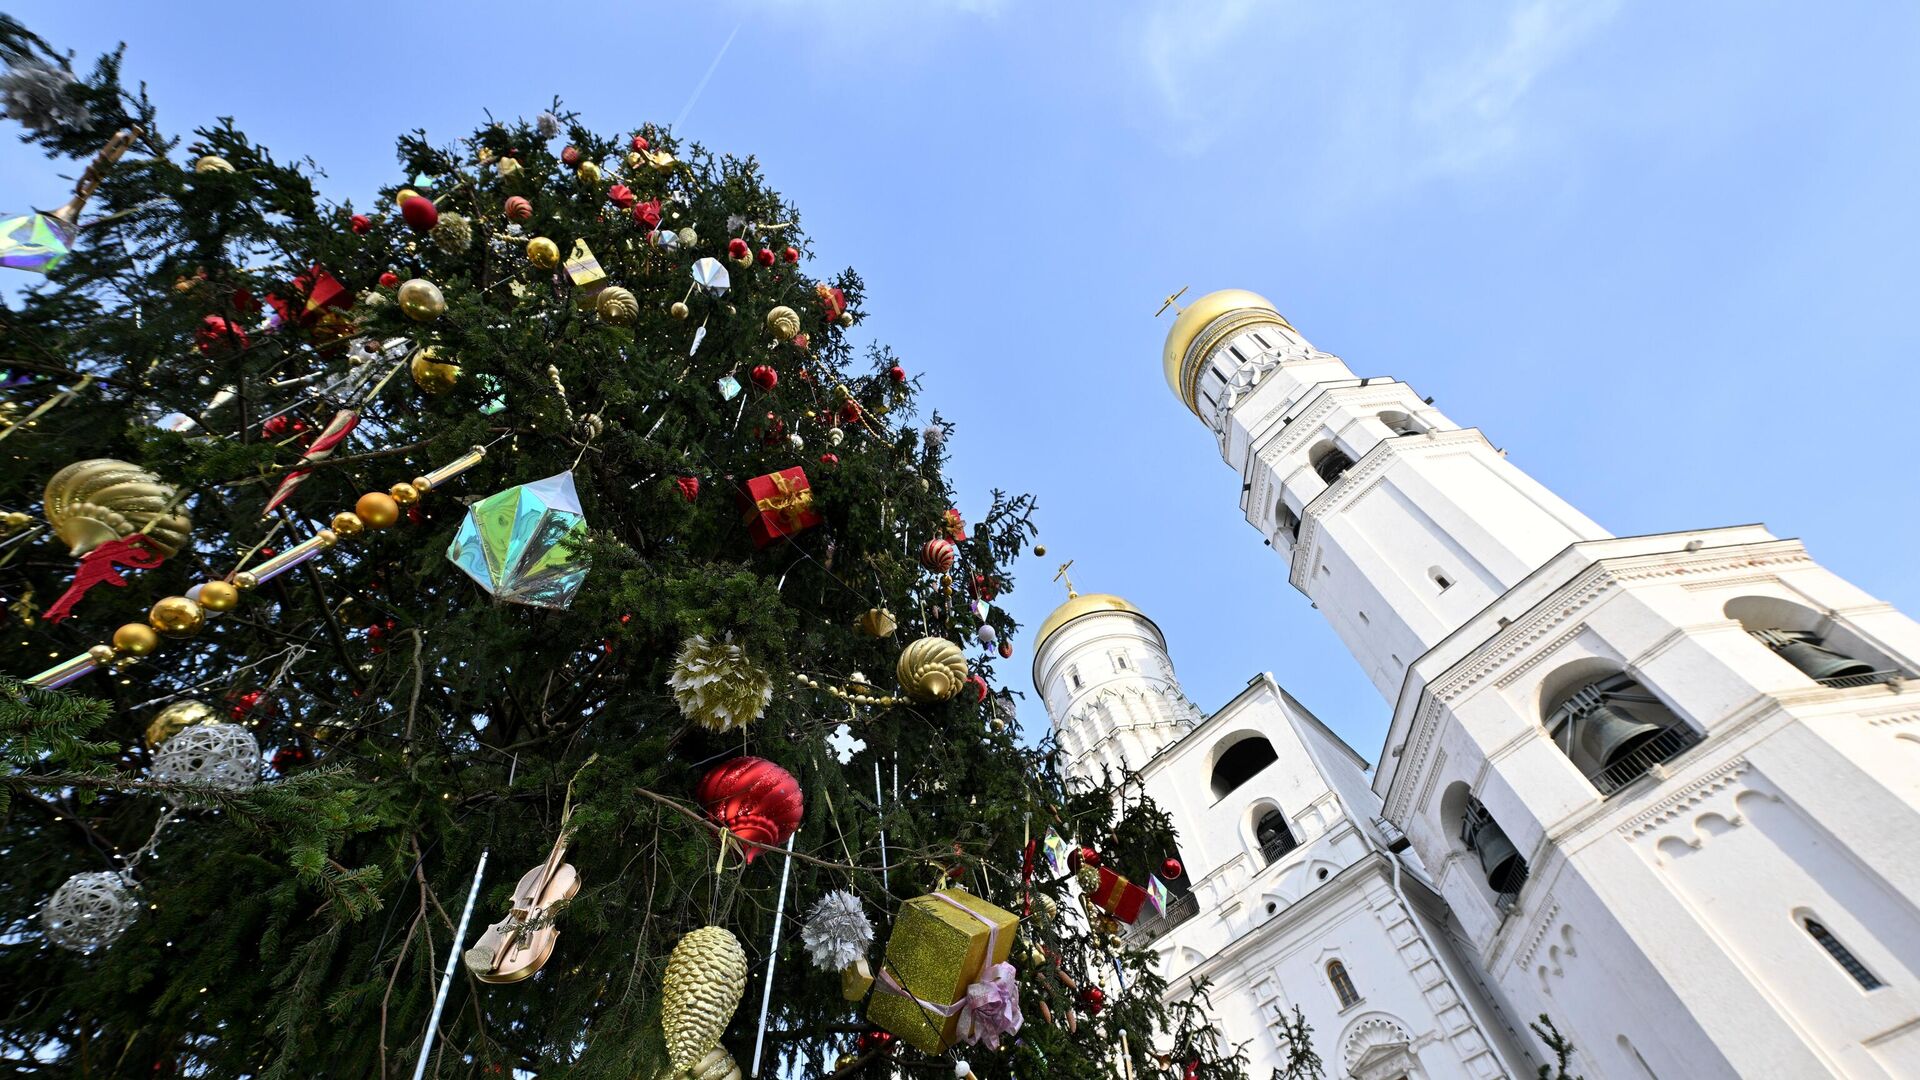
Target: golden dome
1081	605
1194	321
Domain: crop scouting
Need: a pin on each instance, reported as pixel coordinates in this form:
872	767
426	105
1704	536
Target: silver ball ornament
88	911
223	756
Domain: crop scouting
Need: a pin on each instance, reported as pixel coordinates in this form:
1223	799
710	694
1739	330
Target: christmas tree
543	509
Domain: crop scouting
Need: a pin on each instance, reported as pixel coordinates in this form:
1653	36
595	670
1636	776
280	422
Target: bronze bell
1603	735
1819	662
1499	859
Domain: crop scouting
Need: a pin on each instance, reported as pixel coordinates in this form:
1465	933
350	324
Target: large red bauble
980	690
937	555
217	333
897	373
1093	999
737	248
389	279
792	254
420	213
570	156
764	377
754	799
360	222
518	208
764	257
1089	857
639	142
1171	869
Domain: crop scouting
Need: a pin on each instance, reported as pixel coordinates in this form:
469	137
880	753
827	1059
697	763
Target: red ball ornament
518	208
389	279
1093	999
361	223
277	427
764	377
764	257
737	248
621	196
420	213
639	142
1171	869
987	588
897	373
1006	649
1089	856
830	459
850	412
979	689
754	799
218	333
792	254
570	156
937	555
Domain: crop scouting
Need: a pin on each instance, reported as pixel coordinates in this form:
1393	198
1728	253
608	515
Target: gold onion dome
1223	312
1077	606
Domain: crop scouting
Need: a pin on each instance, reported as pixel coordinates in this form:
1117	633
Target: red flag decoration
322	447
102	566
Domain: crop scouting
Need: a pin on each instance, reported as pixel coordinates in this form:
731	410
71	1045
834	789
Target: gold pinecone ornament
91	502
932	669
453	234
705	978
716	1065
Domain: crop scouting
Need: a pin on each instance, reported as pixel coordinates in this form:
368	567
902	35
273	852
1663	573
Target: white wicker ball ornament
223	756
89	910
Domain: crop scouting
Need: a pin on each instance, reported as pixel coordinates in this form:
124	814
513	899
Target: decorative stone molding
1538	932
1512	674
1721	776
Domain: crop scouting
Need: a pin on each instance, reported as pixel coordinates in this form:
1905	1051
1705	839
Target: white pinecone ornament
705	978
454	233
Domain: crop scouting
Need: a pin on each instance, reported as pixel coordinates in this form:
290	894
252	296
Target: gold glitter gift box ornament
941	944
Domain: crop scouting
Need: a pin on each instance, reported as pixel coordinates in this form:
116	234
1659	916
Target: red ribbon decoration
101	566
323	446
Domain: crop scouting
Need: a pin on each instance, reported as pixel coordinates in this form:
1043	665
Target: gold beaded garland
377	509
136	639
326	537
404	493
245	580
219	596
176	616
101	654
348	523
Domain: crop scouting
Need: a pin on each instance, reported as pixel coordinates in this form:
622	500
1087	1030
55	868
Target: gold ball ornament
91	502
101	654
1040	550
176	717
377	510
421	300
219	596
689	237
404	493
543	253
705	978
326	539
679	310
876	622
846	318
245	580
212	163
635	160
403	195
176	616
589	173
784	322
348	523
136	639
932	669
617	305
430	373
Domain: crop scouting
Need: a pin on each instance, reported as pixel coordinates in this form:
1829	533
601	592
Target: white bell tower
1668	786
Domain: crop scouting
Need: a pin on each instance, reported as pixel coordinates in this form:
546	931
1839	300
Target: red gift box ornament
778	504
1115	895
753	799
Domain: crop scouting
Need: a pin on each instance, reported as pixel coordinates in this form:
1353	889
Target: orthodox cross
1172	302
1061	575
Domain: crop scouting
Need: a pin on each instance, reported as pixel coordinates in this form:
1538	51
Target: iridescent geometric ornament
522	544
711	275
89	910
729	387
35	242
222	756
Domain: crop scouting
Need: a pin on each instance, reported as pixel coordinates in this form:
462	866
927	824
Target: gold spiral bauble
932	669
91	502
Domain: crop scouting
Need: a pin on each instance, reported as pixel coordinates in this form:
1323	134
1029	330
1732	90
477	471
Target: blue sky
1664	254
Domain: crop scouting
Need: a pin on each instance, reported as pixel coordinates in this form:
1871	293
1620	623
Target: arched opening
1500	861
1342	984
1273	836
1841	955
1400	423
1440	578
1812	643
1238	763
1288	524
1614	731
1329	461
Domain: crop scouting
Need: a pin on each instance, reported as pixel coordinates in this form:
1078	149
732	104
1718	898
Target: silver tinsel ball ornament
89	910
41	97
837	931
223	756
547	125
987	635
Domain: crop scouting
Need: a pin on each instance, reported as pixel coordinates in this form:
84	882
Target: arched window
1812	643
1342	984
1288	523
1613	731
1238	763
1331	462
1073	676
1400	423
1273	835
1842	955
1500	861
1440	578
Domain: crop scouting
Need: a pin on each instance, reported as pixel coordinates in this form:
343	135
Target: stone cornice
1693	794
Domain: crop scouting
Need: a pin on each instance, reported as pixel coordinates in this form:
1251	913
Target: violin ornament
517	946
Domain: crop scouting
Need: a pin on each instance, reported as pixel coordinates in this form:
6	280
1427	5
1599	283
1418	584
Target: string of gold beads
854	697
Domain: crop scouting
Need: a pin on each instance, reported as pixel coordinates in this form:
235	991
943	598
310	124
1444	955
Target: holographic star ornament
521	544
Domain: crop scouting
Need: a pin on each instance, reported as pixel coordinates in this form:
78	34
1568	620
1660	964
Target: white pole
766	993
446	980
879	805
